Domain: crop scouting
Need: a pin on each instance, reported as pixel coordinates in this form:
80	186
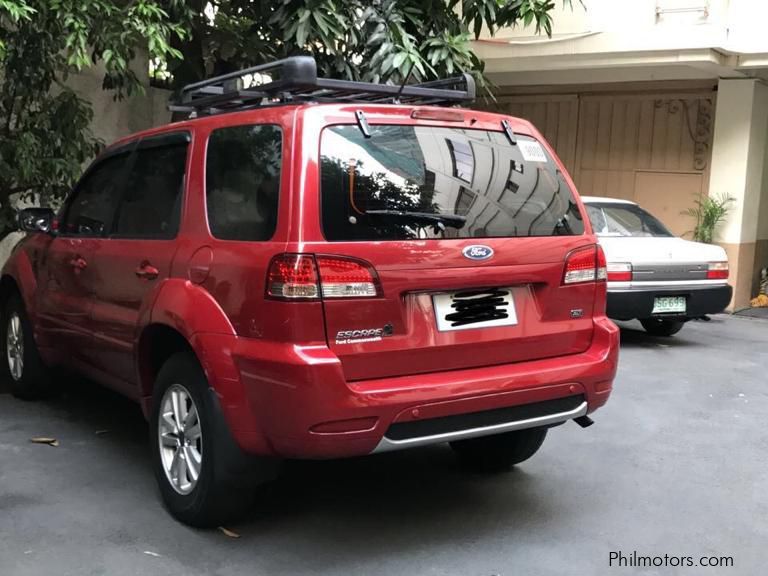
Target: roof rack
295	80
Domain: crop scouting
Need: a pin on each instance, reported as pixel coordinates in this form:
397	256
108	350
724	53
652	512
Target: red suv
309	270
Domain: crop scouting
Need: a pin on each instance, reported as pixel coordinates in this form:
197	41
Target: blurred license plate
481	308
666	304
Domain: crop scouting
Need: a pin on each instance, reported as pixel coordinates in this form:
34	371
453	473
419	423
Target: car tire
22	368
660	327
499	452
205	479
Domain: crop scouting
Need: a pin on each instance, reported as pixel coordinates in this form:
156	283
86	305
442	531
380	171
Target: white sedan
653	276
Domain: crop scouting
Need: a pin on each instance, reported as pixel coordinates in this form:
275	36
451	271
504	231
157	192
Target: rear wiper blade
452	220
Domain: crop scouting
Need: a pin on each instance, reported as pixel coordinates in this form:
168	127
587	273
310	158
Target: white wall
651	24
634	40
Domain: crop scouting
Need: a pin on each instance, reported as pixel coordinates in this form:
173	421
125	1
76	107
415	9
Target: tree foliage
371	40
45	134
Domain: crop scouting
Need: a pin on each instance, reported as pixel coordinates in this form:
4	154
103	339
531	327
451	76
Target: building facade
656	101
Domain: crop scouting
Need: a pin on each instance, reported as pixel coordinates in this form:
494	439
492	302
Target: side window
90	211
151	204
243	182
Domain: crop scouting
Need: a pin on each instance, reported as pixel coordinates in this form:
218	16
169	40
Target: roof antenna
396	99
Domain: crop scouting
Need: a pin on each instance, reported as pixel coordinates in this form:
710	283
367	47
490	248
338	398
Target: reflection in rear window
409	182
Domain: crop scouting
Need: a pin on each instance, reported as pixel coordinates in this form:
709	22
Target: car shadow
634	336
414	497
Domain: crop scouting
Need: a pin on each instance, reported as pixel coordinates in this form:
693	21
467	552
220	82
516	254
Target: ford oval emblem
477	252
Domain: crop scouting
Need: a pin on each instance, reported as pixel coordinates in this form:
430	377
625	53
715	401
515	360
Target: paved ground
676	465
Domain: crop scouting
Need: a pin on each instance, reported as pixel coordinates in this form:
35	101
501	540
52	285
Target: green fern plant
709	213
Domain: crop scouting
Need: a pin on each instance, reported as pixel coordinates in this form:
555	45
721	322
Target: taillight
306	277
619	272
585	265
293	276
602	266
717	271
346	278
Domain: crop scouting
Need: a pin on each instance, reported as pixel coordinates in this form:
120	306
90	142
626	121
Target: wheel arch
8	286
157	343
18	277
168	324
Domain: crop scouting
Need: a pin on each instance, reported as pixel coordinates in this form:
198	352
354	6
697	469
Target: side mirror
36	220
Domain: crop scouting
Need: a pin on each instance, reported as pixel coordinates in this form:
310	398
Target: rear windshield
410	182
624	220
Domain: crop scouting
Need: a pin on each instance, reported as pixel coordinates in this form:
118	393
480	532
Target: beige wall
113	119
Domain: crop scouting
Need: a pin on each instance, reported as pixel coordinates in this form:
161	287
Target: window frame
175	138
129	148
126	149
279	179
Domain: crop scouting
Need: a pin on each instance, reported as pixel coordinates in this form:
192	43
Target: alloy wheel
181	439
14	345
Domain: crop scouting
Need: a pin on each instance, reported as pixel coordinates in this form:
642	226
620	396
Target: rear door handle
78	263
147	272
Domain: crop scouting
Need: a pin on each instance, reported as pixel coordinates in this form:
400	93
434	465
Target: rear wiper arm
452	220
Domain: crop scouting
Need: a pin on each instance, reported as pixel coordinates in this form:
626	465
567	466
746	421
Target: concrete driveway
675	465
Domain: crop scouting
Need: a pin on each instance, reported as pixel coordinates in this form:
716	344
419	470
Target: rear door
65	293
138	252
468	235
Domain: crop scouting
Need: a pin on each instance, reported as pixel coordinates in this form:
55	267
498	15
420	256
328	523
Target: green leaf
398	60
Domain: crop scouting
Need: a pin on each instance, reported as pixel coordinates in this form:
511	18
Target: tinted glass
409	182
90	211
151	204
243	182
624	220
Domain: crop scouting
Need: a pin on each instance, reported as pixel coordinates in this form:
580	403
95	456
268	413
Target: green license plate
668	304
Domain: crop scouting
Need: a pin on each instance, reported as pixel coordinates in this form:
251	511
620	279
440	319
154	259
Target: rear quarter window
243	181
421	182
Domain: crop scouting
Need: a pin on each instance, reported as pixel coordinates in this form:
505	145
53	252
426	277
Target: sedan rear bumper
627	304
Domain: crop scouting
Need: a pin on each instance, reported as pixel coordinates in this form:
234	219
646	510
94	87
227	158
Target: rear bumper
462	426
638	303
293	401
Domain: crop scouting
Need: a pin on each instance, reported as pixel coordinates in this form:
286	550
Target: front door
64	295
68	277
137	254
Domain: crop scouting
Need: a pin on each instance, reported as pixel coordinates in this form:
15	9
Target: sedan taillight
717	271
619	272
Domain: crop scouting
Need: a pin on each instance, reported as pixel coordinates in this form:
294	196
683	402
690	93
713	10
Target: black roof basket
295	79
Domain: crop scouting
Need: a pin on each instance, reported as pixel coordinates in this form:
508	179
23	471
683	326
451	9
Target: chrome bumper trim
387	445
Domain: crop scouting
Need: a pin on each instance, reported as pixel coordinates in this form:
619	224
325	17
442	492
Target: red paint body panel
275	365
